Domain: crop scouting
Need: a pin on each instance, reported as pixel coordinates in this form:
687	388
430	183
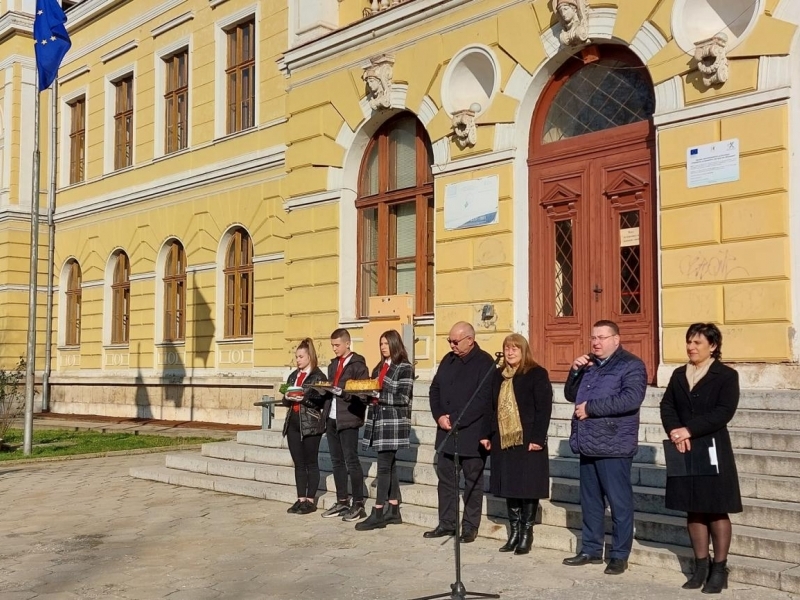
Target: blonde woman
523	401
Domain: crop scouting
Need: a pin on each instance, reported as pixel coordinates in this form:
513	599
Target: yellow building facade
234	176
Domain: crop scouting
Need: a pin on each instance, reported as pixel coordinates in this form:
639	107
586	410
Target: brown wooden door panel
605	202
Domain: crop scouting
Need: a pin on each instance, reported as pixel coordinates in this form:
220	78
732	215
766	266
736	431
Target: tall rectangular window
239	286
77	140
74	300
175	294
240	74
121	301
123	123
176	101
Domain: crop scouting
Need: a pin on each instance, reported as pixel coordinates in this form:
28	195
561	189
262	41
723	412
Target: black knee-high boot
514	510
526	526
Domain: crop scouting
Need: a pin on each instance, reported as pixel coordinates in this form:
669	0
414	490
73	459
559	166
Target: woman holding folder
304	426
699	402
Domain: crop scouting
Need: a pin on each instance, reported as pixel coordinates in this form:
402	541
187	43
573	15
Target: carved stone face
567	12
374	84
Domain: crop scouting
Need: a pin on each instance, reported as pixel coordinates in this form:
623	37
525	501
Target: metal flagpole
51	245
33	285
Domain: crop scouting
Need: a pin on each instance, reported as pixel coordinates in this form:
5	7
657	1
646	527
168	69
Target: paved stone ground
85	529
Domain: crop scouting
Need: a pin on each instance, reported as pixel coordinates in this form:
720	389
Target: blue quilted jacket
613	394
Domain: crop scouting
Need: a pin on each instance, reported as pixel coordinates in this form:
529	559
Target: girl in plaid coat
388	427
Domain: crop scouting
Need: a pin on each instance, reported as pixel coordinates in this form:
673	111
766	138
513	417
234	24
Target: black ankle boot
699	576
526	526
392	516
374	521
514	510
717	578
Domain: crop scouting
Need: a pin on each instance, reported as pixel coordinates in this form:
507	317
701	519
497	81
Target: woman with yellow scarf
523	401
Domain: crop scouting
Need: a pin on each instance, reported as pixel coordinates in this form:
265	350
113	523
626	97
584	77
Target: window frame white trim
159	121
65	156
110	102
221	60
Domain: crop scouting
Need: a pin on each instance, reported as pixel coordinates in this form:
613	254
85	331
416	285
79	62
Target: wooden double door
593	254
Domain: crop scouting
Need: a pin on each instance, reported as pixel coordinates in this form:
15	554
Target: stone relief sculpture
712	59
464	129
378	77
574	18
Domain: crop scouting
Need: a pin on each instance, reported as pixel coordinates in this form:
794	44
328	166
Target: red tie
300	379
339	370
384	369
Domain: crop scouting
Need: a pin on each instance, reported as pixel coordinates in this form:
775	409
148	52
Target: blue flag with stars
52	40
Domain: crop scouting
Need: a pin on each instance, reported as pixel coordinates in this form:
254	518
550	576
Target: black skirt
518	473
708	493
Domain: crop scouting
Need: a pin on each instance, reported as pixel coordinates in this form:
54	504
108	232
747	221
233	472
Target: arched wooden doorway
592	208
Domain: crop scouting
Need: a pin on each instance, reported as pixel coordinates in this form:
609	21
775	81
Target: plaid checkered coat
388	423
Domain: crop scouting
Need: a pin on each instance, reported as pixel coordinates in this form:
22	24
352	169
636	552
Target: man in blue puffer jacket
607	387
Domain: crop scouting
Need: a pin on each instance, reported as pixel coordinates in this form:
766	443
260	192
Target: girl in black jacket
304	426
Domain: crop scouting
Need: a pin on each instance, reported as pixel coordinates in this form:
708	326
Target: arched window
73	295
396	215
600	95
121	300
175	293
239	286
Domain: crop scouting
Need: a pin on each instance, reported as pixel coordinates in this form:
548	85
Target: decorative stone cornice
15	22
378	6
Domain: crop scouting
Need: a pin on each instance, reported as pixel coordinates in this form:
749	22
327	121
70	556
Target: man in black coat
459	375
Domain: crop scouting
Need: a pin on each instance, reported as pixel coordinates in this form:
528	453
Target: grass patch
63	442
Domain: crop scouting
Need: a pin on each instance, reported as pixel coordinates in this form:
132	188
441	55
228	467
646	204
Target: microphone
498	355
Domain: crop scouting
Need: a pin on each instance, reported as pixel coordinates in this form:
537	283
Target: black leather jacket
311	406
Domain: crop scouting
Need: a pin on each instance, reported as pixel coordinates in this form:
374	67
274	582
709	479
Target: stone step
752	485
765	514
768	573
765	487
762	462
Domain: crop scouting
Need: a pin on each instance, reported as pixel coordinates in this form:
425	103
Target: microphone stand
457	589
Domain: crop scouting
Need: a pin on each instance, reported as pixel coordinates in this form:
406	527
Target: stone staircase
765	433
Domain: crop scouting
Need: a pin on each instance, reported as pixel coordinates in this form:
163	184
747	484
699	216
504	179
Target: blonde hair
518	341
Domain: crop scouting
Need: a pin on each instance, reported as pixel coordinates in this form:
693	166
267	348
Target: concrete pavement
85	529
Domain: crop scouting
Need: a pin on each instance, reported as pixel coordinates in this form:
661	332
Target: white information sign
471	203
712	163
629	237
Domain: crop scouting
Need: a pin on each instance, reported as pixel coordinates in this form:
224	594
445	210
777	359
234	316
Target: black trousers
343	446
304	453
388	481
472	468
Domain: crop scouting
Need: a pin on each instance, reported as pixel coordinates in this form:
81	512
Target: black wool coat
350	409
516	471
311	406
455	381
705	411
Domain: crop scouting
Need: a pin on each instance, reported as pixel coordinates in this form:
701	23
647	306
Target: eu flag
52	40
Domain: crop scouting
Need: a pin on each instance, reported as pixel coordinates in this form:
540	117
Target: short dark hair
606	323
397	350
341	334
709	331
